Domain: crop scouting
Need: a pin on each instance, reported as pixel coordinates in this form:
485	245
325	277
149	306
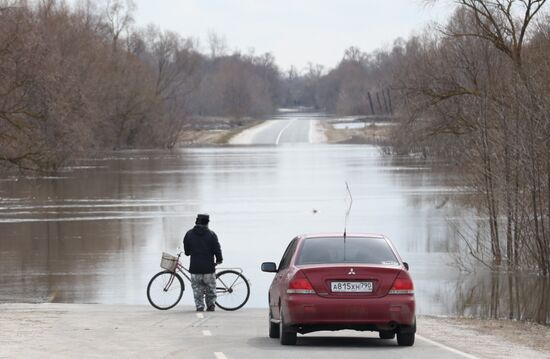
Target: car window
285	261
353	250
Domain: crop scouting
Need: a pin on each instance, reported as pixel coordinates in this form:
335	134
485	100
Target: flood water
96	231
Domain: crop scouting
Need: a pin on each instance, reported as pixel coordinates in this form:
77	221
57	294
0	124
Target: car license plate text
351	287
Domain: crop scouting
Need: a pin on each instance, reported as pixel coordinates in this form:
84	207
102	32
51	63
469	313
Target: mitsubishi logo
351	271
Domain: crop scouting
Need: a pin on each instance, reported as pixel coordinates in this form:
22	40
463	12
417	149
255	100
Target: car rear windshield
366	250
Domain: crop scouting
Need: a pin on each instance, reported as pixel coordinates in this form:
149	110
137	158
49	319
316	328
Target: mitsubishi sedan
336	282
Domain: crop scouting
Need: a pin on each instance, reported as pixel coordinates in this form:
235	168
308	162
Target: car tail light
402	285
300	285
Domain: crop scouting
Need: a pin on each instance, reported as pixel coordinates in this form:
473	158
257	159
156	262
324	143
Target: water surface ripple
95	233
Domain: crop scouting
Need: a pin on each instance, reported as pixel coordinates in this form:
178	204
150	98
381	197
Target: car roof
340	235
348	235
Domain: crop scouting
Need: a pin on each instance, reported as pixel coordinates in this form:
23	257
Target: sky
296	32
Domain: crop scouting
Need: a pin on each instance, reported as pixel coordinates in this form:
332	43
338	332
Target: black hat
203	219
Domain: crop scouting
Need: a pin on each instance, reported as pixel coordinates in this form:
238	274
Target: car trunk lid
351	281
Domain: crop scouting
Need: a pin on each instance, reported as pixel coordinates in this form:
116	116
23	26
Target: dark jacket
202	245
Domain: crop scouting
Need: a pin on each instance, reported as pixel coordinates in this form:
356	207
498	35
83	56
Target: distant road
291	128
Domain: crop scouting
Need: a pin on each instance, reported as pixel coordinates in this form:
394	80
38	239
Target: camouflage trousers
204	288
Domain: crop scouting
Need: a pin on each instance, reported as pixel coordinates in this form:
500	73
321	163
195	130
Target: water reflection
95	233
504	295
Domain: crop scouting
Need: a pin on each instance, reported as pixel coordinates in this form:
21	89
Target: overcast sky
295	31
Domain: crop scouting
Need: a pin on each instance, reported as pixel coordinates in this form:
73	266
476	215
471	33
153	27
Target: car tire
405	339
273	327
287	336
386	334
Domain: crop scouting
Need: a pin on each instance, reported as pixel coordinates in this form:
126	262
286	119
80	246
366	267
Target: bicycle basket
168	261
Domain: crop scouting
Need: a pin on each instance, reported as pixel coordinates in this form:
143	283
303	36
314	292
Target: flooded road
95	233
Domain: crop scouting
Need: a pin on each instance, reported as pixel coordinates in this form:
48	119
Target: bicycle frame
180	268
232	288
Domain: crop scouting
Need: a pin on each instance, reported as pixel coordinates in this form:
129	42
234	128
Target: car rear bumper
312	312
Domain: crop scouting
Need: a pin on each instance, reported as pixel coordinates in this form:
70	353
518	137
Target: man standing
202	245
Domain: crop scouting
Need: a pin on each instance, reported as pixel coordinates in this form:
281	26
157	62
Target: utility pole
371	106
378	100
386	108
389	101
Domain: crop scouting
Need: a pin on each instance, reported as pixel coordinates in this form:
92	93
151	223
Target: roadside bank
213	130
357	130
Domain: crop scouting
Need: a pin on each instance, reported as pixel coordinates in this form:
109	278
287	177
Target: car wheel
386	334
286	335
273	327
405	339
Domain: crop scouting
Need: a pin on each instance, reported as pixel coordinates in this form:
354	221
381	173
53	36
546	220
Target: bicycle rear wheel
165	290
232	290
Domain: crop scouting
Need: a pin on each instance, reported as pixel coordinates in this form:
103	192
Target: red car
332	282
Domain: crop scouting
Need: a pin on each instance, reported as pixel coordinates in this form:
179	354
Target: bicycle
166	288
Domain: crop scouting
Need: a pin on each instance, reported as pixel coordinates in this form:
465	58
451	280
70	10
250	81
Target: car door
279	280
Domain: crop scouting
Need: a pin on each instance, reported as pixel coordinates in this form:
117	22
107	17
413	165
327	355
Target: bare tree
217	45
118	15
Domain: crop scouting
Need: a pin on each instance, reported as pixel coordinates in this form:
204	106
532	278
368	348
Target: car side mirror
406	265
269	267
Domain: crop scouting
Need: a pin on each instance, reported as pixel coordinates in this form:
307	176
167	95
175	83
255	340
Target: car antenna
348	211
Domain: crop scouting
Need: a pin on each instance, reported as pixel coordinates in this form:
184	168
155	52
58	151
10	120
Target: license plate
351	287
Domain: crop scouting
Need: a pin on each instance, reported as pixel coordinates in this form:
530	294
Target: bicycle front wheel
165	290
232	290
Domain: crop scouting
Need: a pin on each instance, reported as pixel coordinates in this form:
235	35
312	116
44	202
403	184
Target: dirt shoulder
366	132
213	130
488	338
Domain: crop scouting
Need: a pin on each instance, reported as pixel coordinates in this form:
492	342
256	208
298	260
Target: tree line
75	80
475	92
358	85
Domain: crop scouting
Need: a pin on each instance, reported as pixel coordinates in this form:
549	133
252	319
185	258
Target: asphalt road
244	335
286	129
74	330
